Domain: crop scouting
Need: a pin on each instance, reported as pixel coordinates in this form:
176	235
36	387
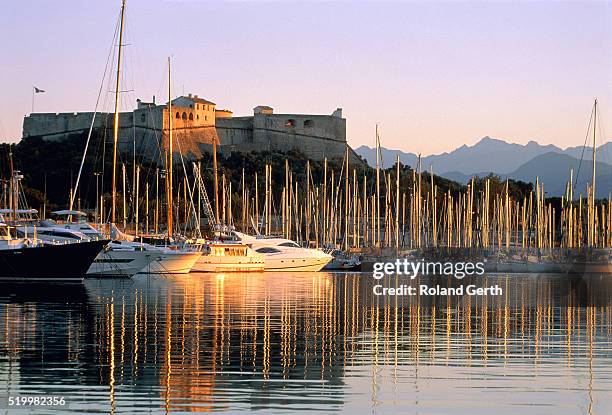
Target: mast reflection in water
316	342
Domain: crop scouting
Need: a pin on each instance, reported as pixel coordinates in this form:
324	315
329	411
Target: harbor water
305	342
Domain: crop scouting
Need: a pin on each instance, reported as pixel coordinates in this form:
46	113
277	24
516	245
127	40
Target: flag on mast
38	90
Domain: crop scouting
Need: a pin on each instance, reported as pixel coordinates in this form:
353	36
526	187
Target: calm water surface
284	343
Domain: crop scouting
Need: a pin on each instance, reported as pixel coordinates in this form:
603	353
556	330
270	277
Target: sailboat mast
594	211
216	180
14	192
169	158
377	220
116	116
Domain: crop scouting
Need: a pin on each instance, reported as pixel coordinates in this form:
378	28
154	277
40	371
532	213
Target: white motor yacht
115	261
229	257
25	259
166	261
285	255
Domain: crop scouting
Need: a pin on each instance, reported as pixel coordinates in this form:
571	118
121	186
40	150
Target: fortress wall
236	132
316	148
58	125
190	141
317	136
320	126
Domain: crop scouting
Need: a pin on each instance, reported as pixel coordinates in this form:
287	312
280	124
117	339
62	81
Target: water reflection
318	342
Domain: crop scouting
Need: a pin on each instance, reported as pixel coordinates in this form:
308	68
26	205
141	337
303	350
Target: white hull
173	262
121	263
211	263
276	264
285	255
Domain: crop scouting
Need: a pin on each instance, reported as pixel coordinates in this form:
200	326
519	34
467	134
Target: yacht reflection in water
317	342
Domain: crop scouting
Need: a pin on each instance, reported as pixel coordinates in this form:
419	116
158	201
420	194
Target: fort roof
195	98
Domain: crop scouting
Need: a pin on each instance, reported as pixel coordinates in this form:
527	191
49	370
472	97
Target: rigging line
189	189
151	111
102	130
93	119
586	138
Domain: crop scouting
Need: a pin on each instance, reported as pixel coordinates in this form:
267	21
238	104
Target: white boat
173	261
229	257
122	262
167	261
285	255
115	261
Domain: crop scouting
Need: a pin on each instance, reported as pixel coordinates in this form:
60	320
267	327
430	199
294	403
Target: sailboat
32	260
124	254
593	259
109	262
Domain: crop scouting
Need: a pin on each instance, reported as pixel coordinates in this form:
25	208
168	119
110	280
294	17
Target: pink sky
434	75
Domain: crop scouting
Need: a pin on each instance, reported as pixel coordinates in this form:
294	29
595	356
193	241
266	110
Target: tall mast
346	198
377	221
216	180
594	212
13	189
169	158
116	117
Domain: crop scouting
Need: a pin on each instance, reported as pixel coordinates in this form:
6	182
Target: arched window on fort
290	123
197	117
143	117
184	115
178	115
191	116
308	124
206	118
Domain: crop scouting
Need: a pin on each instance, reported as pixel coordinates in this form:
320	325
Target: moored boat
116	260
119	262
286	255
31	260
173	262
229	257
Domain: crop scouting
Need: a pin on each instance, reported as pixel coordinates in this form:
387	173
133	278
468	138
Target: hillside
554	170
487	155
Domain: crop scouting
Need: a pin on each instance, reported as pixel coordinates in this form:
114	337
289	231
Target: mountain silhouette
507	160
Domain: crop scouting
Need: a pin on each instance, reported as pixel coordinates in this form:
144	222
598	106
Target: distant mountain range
521	162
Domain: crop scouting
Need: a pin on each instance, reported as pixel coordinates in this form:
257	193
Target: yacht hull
311	264
211	263
172	262
121	264
50	262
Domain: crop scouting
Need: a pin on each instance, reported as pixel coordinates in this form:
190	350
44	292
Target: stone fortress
196	122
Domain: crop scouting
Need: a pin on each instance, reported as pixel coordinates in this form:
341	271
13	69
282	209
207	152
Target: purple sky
434	75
